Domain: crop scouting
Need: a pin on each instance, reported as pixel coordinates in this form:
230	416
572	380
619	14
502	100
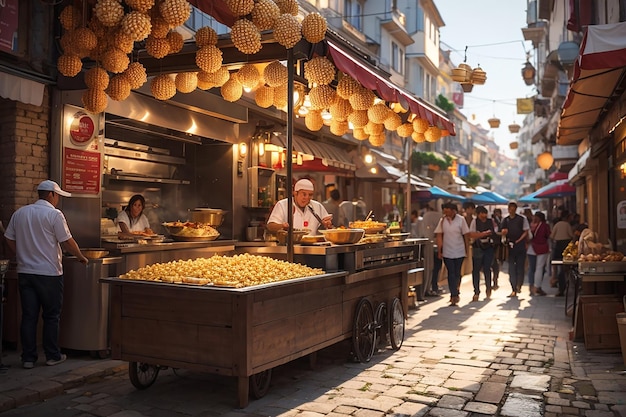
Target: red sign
82	129
81	171
8	25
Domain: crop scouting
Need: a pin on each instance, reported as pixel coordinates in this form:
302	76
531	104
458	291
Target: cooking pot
212	217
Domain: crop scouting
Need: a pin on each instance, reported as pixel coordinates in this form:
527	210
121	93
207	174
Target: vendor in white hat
307	213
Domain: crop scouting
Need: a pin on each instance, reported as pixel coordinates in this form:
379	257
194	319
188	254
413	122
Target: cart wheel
382	325
396	324
260	383
142	375
364	331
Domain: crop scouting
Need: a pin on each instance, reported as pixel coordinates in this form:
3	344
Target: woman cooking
131	220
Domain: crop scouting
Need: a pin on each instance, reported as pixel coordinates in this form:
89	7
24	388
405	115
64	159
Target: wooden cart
246	332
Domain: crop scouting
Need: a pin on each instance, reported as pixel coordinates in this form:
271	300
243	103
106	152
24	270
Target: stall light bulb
368	159
243	149
261	149
373	170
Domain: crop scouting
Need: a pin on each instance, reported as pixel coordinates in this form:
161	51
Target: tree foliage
444	104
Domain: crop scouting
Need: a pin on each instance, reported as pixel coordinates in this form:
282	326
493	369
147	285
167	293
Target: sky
492	31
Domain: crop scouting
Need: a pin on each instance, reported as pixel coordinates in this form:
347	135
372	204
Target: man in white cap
36	233
307	213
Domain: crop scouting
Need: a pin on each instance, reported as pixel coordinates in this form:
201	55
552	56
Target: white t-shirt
139	226
37	230
453	236
302	219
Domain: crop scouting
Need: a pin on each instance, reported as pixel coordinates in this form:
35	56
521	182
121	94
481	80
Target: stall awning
329	156
599	75
20	89
385	89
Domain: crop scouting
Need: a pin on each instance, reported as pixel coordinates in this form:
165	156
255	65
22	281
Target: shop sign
82	128
8	25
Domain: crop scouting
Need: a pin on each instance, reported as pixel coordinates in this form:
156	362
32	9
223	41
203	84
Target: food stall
358	292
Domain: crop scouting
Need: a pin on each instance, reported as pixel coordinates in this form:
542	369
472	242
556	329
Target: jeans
454	274
536	268
517	259
482	262
40	293
434	286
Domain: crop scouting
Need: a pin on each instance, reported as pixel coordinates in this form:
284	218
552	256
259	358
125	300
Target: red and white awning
599	69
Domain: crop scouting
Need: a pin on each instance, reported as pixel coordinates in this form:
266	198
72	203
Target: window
397	58
353	12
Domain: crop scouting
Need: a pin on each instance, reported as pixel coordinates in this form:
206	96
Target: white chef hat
304	184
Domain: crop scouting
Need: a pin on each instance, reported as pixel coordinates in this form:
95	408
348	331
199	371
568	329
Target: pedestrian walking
515	230
450	233
538	253
482	233
561	235
36	233
500	249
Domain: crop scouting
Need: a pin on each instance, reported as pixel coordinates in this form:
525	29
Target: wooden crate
599	324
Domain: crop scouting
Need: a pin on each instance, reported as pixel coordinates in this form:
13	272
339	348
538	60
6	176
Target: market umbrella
434	193
488	198
557	189
529	198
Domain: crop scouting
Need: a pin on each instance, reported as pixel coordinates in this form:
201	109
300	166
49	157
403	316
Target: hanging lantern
478	76
513	145
514	127
494	122
462	74
545	160
528	73
467	87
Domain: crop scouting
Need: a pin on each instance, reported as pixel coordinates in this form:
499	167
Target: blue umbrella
496	197
434	193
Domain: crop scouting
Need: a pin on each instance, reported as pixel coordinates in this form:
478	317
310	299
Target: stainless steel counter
125	247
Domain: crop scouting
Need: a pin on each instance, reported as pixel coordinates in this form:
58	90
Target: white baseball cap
49	185
303	184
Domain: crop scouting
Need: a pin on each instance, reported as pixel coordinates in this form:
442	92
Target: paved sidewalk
505	356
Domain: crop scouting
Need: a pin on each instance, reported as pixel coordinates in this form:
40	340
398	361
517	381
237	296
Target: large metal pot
212	217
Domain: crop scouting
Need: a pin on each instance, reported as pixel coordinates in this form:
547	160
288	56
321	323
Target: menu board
82	152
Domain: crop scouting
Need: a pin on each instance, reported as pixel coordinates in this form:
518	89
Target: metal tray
194	238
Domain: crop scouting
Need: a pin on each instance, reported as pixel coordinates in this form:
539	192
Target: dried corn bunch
418	137
445	132
340	109
123	42
359	134
405	130
119	88
275	74
287	30
109	12
157	47
114	60
98	28
176	41
432	134
393	121
249	76
67	42
288	6
160	28
136	75
240	7
140	5
205	80
97	53
69	65
206	36
378	113
319	70
314	27
232	90
175	12
372	128
358	118
264	14
209	58
420	125
338	127
94	101
281	96
313	120
362	99
163	87
346	86
377	140
264	96
70	17
217	78
322	97
96	78
246	37
136	25
186	82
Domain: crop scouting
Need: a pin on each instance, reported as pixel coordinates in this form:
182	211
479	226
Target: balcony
394	22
